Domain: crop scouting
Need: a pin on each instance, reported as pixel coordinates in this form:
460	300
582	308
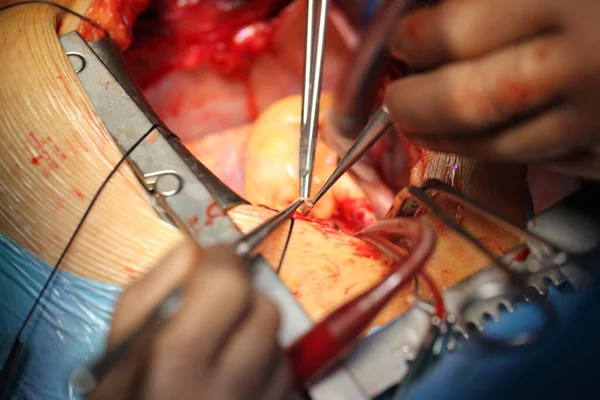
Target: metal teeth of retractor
493	310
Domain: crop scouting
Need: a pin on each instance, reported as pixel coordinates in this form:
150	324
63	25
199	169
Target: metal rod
313	77
254	238
376	127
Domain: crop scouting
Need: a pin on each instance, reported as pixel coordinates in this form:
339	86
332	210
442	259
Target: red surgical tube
327	341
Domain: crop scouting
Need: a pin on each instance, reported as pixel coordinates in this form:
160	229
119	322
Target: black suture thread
60	7
10	363
285	246
16	345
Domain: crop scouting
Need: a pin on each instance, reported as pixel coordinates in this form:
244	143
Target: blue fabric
563	366
72	324
68	327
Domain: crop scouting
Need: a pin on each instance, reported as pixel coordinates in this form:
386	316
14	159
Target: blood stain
36	160
365	250
193	224
212	211
78	194
130	272
542	52
34	140
412	30
514	92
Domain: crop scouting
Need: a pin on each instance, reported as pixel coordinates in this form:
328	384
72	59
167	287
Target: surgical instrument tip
376	127
255	237
311	92
306	206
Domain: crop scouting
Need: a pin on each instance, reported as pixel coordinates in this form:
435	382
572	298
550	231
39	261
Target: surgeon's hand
222	344
507	80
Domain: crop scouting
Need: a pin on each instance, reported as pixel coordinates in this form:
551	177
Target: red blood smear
312	353
542	52
192	222
212	211
513	92
365	250
352	215
224	35
34	140
130	272
115	16
79	195
522	254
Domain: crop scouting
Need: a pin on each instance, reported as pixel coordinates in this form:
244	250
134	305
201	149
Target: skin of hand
222	344
505	80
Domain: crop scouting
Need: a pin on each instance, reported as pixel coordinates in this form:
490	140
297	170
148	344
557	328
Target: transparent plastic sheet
68	327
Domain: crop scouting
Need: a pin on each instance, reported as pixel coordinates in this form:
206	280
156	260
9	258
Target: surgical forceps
311	92
84	380
375	129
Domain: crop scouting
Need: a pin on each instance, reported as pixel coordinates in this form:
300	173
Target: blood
365	250
351	215
36	160
348	288
78	194
413	31
522	254
34	140
325	226
541	52
115	16
50	154
130	272
513	92
212	211
252	106
174	35
226	36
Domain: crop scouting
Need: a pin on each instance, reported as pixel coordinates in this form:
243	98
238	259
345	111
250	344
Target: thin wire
6	370
285	246
60	7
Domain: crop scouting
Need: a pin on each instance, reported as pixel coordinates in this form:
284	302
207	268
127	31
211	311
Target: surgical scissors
311	92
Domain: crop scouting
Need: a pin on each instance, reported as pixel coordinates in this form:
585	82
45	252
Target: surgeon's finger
461	100
145	294
456	30
554	133
217	298
250	356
